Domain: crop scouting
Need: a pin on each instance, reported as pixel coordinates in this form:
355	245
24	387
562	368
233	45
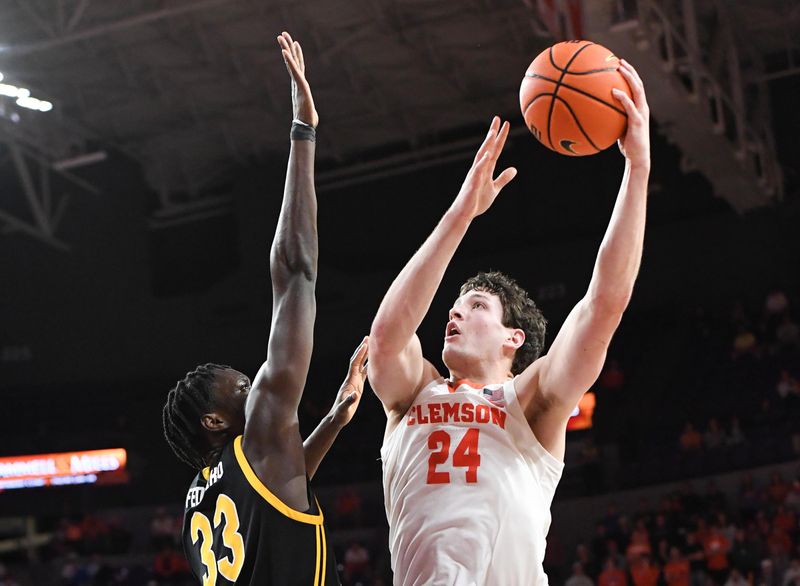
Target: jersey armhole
438	380
555	465
267	495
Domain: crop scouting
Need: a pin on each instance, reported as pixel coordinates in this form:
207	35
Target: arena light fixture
23	97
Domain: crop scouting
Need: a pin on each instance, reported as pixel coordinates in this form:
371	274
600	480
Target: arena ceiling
191	88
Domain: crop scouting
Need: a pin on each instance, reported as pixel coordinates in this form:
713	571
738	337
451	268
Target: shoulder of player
527	387
396	412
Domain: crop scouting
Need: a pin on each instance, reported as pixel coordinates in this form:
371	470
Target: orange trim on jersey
453	385
273	500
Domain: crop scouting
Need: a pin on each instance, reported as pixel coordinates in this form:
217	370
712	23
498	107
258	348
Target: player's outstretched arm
397	369
344	407
278	386
576	356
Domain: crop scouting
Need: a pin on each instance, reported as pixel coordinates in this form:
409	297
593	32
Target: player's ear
516	338
214	422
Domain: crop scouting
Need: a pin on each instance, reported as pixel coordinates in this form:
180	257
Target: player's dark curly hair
519	311
191	398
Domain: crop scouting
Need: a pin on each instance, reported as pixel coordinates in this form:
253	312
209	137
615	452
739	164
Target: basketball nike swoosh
610	57
567	145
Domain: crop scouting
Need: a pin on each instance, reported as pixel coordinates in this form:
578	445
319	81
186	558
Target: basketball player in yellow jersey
471	462
250	516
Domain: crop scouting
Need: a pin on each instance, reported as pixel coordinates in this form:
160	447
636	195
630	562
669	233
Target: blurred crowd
694	539
708	393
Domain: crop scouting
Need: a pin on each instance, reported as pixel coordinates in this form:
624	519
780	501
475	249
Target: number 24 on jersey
464	456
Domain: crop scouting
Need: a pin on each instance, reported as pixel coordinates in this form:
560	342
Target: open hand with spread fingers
302	102
480	189
635	145
349	395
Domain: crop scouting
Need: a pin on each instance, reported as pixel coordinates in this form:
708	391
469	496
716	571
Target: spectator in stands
750	497
792	500
777	489
690	440
72	534
779	544
744	343
785	519
716	547
95	534
587	561
640	542
776	303
613	575
736	436
791	577
162	530
787	385
662	530
727	528
735	578
744	554
714	437
676	570
768	576
697	559
644	572
599	542
356	565
661	552
702	531
578	577
348	507
787	334
170	567
614	554
715	498
611	520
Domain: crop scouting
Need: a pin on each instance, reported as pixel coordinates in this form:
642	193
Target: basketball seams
578	90
590	71
536	97
565	69
596	77
578	122
558	84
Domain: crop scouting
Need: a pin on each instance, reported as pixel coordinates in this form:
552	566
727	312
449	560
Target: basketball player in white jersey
471	462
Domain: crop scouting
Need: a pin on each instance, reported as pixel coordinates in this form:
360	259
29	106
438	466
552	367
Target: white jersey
467	489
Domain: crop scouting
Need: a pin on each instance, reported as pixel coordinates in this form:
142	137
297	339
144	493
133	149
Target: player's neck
479	377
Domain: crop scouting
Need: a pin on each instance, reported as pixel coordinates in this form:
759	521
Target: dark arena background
142	155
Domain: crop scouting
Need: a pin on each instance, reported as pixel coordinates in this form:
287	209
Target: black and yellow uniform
235	531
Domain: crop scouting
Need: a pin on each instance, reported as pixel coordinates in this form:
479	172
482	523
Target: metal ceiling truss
46	210
698	91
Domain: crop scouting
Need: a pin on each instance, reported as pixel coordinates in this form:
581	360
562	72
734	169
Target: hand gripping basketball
635	144
567	101
479	189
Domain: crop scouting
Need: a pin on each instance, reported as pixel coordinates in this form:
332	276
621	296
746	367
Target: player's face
230	396
475	332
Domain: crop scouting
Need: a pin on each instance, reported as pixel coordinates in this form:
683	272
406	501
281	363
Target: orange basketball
566	98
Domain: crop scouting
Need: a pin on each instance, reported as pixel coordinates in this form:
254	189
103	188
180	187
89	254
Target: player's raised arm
293	268
344	407
397	369
576	356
